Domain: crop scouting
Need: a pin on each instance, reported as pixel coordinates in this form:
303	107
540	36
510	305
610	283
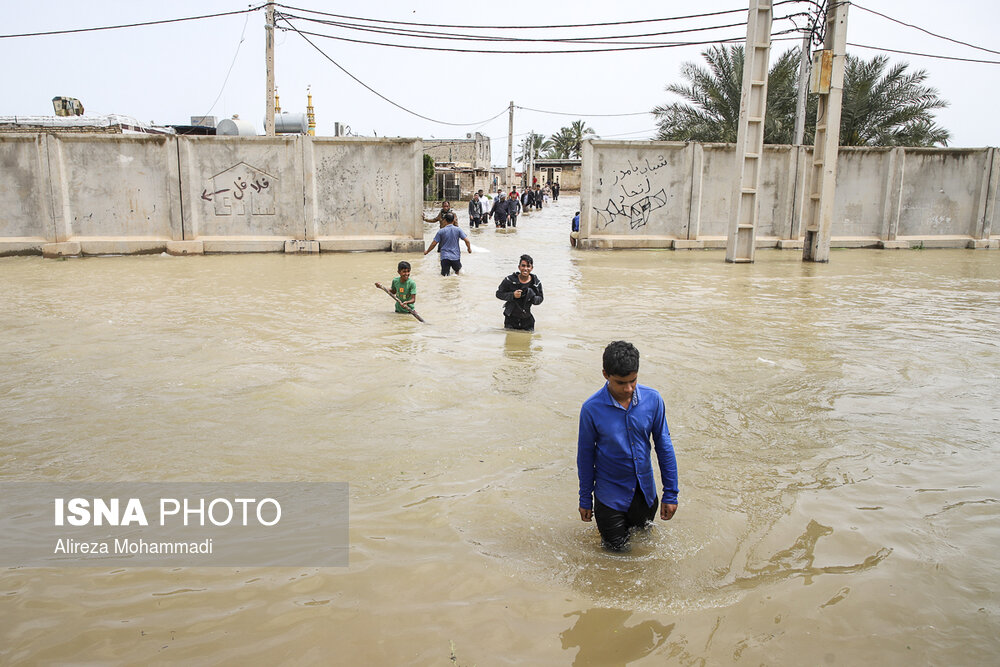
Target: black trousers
520	323
615	525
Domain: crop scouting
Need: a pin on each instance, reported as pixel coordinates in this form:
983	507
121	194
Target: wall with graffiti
640	194
145	190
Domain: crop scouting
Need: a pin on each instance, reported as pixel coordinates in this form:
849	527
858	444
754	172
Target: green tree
712	111
888	106
536	145
567	143
428	169
880	107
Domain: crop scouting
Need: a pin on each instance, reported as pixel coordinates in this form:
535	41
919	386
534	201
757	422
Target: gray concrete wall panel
366	187
114	186
941	191
862	186
640	188
24	198
242	187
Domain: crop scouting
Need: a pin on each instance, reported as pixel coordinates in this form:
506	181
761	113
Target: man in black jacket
475	211
520	290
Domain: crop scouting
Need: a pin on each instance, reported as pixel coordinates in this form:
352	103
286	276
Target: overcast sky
168	73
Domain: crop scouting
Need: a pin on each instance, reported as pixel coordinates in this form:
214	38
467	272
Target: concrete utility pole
828	81
750	134
269	63
510	147
800	105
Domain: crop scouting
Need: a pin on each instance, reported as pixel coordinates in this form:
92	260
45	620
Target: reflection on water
835	426
604	638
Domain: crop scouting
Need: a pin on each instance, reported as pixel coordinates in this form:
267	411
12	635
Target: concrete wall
101	194
676	195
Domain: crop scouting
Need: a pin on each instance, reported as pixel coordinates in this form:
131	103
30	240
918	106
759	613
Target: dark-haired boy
404	288
520	291
449	237
617	485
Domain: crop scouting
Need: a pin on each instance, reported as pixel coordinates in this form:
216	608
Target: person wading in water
520	290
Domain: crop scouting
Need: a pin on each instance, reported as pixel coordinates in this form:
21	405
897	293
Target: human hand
667	511
586	515
517	294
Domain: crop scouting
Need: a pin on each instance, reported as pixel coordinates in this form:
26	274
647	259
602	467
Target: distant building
567	173
461	167
109	124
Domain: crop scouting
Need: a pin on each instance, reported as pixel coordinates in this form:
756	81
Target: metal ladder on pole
750	134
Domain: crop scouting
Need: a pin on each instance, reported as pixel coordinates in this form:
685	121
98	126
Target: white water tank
291	123
235	127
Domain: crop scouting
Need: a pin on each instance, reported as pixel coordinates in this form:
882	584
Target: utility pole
269	63
800	105
743	204
828	81
531	159
510	146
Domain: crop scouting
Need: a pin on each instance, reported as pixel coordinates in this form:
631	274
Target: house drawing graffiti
232	190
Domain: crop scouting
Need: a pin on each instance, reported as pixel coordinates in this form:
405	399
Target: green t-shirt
403	291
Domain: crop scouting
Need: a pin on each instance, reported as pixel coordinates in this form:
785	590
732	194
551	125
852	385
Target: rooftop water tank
291	123
235	127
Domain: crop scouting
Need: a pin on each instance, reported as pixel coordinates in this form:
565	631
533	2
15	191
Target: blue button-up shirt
613	449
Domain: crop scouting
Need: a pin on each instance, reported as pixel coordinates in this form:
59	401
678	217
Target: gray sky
168	73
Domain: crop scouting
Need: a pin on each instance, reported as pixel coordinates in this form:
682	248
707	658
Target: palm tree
888	107
714	95
567	143
880	108
537	144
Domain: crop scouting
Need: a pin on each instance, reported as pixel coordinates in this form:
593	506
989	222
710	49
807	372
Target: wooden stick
396	298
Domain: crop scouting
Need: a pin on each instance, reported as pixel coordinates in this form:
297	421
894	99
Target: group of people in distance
506	206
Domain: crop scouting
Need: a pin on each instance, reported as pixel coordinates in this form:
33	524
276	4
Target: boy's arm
667	461
586	455
505	291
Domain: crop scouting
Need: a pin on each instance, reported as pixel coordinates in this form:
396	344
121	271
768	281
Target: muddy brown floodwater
837	429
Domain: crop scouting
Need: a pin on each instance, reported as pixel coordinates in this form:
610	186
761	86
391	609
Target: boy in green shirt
404	288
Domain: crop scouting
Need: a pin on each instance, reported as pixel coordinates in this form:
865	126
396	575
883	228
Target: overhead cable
534	52
589	115
924	30
395	104
608	39
132	25
530	27
925	55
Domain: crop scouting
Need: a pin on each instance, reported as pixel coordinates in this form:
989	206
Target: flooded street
837	429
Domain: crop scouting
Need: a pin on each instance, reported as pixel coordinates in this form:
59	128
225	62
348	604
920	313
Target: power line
924	30
132	25
395	104
609	39
536	52
536	27
588	115
235	55
924	55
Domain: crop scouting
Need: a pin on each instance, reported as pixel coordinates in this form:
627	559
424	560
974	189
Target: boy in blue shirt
617	486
